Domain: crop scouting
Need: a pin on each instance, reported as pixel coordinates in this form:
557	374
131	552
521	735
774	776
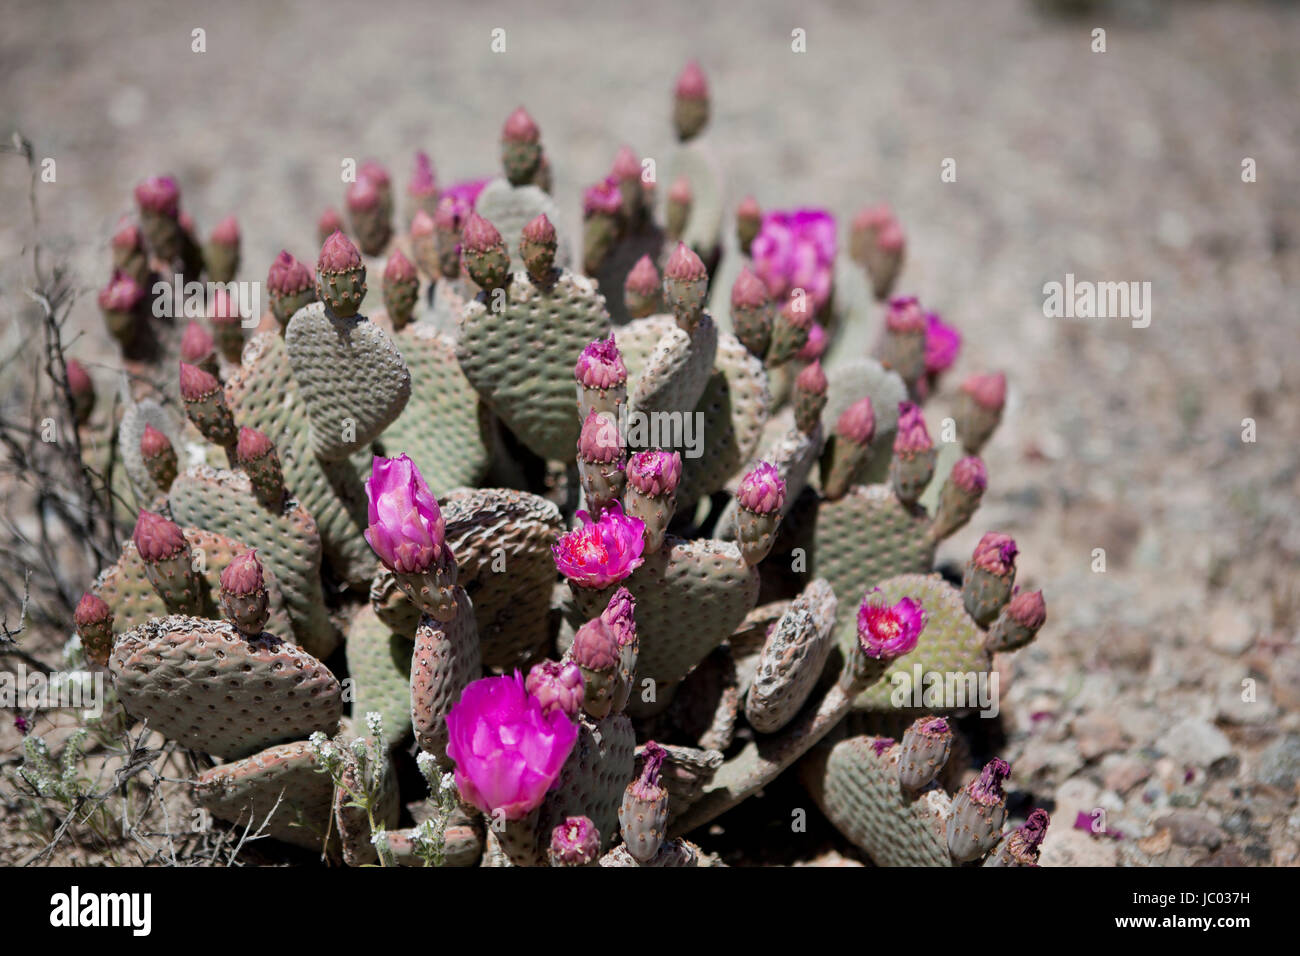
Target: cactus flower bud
244	598
222	253
159	457
678	213
642	288
483	254
575	842
686	284
537	245
407	531
448	221
602	379
119	301
329	223
197	348
205	405
903	345
401	289
815	347
290	286
809	397
989	578
978	811
159	200
129	253
761	499
600	461
925	748
82	391
627	171
752	312
690	102
602	206
163	548
596	652
979	409
1020	847
876	243
1019	622
508	754
340	276
749	220
369	203
422	187
643	814
521	149
942	345
790	331
888	631
848	449
256	455
424	244
602	552
94	621
914	455
959	497
652	479
227	326
557	686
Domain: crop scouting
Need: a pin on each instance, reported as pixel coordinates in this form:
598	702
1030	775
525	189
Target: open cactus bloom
602	552
796	250
507	751
887	631
406	527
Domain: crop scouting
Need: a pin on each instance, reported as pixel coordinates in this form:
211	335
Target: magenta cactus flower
996	553
406	529
602	198
603	552
507	752
601	365
887	631
942	344
465	192
654	472
796	250
970	475
912	436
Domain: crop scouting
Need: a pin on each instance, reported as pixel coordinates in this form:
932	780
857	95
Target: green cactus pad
445	661
950	644
594	777
245	791
206	686
675	375
126	590
394	608
949	454
521	359
868	535
693	160
379	663
510	208
686	771
861	378
264	395
792	660
502	542
351	377
463	846
287	543
444	428
858	791
690	595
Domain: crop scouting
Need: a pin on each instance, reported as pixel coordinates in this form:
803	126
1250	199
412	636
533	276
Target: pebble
1279	763
1195	742
1123	773
1190	828
1230	629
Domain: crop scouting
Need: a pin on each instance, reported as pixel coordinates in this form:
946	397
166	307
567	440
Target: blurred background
1123	165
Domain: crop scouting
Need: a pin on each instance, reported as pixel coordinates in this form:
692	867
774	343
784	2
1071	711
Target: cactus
545	522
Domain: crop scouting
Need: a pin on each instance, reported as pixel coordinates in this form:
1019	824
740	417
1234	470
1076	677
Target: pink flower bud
406	527
603	552
507	752
226	232
1028	609
243	575
942	343
422	223
91	611
154	443
812	379
399	268
422	184
79	382
888	631
970	475
595	646
196	344
197	384
680	191
557	686
684	265
221	310
373	172
905	315
762	490
599	440
159	194
156	538
749	291
815	347
540	230
575	842
479	235
600	365
288	276
873	217
329	223
252	445
654	473
996	553
988	391
338	254
520	128
987	787
363	195
626	165
602	198
857	423
691	83
122	294
618	616
748	210
128	237
643	279
912	437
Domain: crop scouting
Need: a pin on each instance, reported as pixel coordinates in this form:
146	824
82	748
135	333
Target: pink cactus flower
423	182
887	631
465	191
796	250
762	490
406	530
603	552
603	197
508	753
942	344
655	472
815	347
600	365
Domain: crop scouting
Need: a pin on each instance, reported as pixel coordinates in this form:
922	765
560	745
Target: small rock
1279	763
1285	672
1189	828
1068	847
1240	703
1123	773
1097	734
1195	742
1231	629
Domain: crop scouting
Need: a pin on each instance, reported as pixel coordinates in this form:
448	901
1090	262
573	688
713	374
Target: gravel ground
1117	166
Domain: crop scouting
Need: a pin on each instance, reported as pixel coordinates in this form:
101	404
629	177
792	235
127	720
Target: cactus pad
379	662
